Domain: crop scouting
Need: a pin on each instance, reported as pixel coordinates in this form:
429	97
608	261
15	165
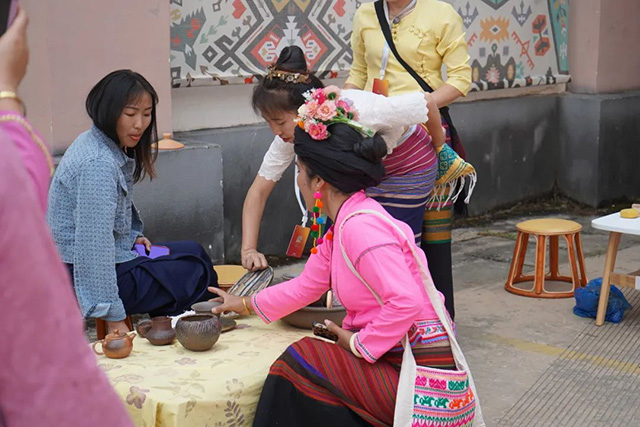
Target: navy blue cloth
167	285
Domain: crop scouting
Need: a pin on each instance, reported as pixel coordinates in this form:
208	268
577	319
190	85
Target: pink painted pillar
603	53
74	43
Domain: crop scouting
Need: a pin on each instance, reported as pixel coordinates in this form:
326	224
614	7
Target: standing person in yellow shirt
426	34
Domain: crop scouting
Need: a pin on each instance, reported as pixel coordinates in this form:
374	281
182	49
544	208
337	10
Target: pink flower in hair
326	111
311	108
319	96
332	90
317	131
341	103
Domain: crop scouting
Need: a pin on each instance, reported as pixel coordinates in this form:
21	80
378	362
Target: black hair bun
372	149
292	59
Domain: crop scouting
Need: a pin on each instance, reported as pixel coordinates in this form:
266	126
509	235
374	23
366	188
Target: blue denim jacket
93	219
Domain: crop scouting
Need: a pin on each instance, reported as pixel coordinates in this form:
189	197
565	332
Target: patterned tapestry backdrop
512	43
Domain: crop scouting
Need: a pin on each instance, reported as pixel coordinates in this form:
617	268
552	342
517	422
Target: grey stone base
185	200
600	147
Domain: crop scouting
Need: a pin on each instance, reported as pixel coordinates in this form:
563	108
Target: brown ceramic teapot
116	345
158	330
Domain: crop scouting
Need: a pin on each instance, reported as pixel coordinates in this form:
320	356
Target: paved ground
534	361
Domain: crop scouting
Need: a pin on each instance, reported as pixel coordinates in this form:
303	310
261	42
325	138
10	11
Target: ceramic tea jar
116	345
158	330
198	332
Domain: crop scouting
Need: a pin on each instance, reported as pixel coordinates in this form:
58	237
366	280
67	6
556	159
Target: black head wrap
347	160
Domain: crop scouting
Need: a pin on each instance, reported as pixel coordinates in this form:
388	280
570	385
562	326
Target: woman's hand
253	260
344	336
144	241
230	302
14	53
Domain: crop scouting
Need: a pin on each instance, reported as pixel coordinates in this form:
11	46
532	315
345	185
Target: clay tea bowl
198	332
205	307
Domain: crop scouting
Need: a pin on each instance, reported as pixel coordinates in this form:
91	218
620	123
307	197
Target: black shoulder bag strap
384	24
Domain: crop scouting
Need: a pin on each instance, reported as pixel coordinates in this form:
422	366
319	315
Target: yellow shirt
430	35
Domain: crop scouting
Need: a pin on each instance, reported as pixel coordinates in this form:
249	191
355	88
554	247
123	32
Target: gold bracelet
21	121
9	94
244	302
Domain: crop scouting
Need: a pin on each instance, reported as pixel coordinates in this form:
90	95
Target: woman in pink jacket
355	381
48	373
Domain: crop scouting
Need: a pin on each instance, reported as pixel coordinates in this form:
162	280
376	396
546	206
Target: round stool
543	229
229	274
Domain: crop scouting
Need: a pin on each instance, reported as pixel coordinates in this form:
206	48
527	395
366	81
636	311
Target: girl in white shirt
411	163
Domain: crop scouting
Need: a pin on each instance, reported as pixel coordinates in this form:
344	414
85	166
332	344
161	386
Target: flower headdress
324	107
286	76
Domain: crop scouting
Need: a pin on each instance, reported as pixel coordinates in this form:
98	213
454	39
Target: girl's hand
344	336
434	122
253	260
144	241
230	302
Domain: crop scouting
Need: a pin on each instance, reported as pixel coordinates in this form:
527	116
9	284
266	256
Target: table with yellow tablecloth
172	386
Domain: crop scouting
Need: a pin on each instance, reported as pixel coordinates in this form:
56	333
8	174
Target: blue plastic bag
587	302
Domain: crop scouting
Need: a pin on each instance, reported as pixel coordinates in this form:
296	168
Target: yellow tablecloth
172	386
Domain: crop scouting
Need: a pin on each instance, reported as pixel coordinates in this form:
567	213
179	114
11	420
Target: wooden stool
543	229
228	275
101	327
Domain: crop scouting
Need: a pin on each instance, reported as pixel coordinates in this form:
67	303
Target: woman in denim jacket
96	225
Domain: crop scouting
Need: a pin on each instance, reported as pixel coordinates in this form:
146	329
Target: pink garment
383	259
48	373
33	158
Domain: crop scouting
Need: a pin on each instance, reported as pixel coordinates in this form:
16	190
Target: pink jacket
48	373
382	257
33	158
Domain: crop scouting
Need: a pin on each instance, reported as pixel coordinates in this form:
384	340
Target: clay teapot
158	330
198	332
116	345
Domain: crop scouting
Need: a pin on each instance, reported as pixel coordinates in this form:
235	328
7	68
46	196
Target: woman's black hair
273	95
105	104
348	160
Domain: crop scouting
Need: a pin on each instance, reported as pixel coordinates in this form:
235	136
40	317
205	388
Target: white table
616	226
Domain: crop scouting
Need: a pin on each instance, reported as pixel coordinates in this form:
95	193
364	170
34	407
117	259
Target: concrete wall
242	151
185	200
513	144
74	43
619	148
209	107
579	125
521	147
600	148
